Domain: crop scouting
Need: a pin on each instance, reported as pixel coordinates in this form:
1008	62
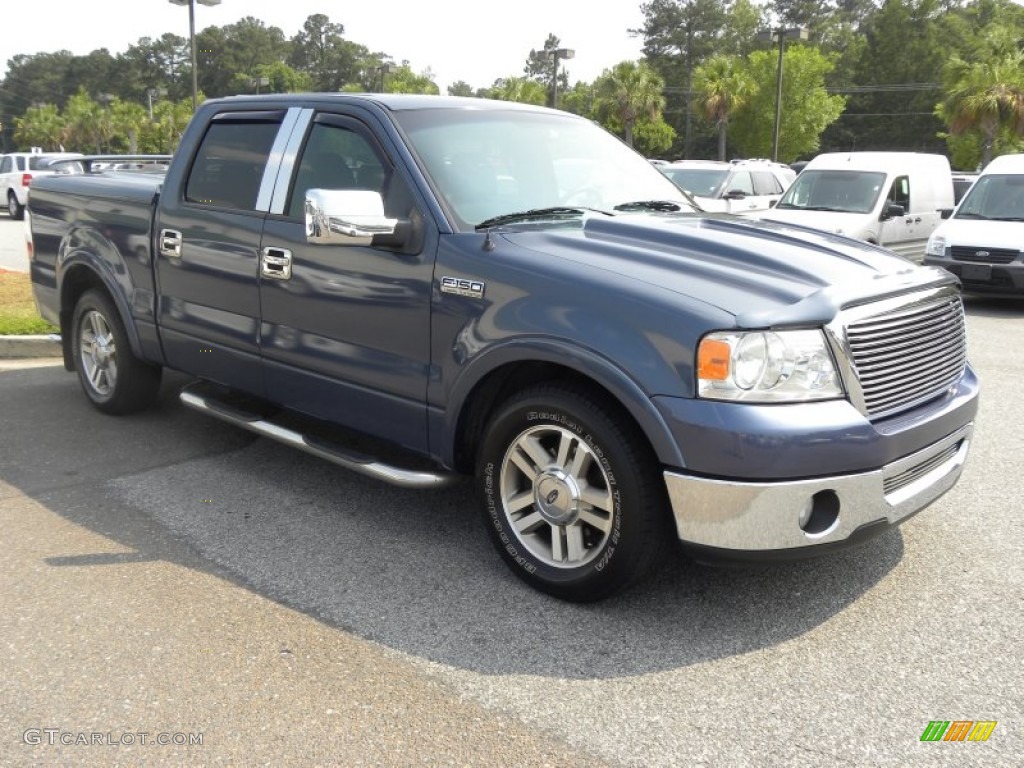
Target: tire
114	379
16	209
572	496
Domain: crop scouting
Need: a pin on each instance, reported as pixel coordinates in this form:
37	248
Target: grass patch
18	315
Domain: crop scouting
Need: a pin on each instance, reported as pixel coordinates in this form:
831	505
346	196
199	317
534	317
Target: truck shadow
413	571
988	306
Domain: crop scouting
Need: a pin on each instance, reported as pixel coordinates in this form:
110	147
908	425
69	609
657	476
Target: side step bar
197	397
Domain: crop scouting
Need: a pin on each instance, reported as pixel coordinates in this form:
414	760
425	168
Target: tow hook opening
821	514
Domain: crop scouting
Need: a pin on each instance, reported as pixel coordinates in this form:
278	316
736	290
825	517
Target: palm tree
721	88
628	92
519	89
987	96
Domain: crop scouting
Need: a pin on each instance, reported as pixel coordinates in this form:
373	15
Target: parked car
742	186
983	242
961	183
17	170
893	199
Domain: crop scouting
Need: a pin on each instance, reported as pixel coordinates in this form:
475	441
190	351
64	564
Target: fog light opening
821	514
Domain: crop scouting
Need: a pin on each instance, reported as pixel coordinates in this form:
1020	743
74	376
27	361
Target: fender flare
80	259
599	369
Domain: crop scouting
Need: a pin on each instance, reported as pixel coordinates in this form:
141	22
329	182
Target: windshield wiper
554	212
662	206
967	215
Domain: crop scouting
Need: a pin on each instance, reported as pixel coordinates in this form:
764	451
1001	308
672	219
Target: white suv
16	172
742	186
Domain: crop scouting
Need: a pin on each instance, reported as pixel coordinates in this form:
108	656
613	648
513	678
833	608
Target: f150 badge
460	286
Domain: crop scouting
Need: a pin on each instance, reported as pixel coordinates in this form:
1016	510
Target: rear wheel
113	378
572	494
16	209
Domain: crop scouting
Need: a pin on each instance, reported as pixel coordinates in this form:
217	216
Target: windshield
489	163
840	191
996	196
702	182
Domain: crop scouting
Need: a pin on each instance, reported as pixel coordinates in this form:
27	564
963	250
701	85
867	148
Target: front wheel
113	378
572	495
16	209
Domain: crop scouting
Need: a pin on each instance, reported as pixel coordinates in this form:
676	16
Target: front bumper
758	521
992	279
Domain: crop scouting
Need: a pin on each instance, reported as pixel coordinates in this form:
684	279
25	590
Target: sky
471	40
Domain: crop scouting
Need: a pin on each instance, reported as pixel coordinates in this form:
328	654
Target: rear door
208	253
346	328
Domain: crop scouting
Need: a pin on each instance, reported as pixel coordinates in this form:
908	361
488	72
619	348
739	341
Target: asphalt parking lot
166	573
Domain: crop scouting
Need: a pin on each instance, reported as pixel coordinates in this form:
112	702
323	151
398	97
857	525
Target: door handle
170	243
276	263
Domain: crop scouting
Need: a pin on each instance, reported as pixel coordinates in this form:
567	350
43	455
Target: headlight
936	246
767	367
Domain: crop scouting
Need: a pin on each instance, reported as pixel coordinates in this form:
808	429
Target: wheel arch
498	374
82	272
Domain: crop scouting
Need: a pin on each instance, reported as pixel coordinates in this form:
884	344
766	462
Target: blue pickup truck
424	288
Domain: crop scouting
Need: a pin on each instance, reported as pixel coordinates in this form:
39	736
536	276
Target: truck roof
390	101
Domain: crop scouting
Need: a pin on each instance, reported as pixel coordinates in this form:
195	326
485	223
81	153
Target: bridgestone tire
112	377
572	494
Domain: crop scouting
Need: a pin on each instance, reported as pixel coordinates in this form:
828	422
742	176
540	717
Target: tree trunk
722	125
629	133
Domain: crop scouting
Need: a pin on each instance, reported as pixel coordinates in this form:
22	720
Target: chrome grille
906	477
908	355
984	255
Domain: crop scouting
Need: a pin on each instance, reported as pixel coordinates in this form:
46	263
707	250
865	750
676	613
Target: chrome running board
199	397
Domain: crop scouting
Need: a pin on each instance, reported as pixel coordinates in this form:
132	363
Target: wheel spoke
522	461
574	538
597	497
558	543
533	448
520	500
580	461
529	523
590	517
111	371
564	444
95	322
95	374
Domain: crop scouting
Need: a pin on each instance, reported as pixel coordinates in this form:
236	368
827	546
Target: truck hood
763	273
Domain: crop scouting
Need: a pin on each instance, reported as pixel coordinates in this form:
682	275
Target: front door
901	233
345	332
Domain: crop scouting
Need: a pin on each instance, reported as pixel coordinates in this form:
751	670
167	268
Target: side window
21	163
336	157
229	165
5	164
741	183
899	193
765	183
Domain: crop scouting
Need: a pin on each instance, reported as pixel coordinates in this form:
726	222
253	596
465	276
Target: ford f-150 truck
421	288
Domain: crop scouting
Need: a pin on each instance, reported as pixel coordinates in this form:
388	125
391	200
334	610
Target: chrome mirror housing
345	217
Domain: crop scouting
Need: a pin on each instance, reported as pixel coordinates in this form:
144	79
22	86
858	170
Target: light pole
192	39
780	34
557	54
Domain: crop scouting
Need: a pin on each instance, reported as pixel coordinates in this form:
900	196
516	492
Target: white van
983	242
893	199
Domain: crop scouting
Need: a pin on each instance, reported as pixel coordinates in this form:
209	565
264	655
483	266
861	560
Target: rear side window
229	165
766	184
741	183
6	165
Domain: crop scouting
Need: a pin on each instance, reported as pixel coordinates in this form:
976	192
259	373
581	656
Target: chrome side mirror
345	217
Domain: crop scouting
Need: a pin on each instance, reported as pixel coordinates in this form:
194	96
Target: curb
30	346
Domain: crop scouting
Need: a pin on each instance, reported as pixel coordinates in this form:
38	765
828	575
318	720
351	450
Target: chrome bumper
759	517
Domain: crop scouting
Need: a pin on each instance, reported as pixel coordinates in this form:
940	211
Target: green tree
236	49
518	89
540	66
128	119
628	92
40	126
460	88
721	86
985	97
402	79
579	99
320	50
807	108
653	137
